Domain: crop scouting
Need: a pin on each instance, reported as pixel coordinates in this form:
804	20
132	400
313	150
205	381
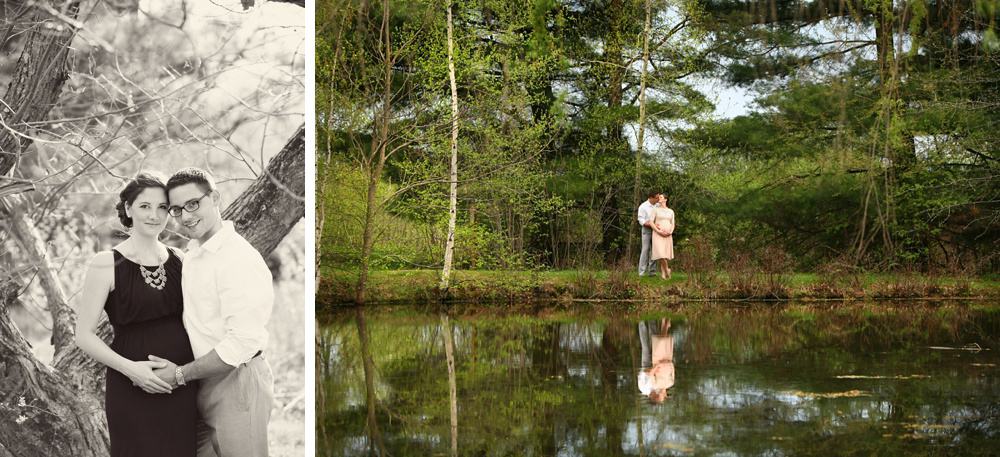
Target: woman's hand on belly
141	374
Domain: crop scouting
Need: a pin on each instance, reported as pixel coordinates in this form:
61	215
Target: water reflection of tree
546	359
375	441
544	387
615	339
449	350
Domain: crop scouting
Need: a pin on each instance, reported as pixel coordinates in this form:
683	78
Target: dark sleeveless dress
148	322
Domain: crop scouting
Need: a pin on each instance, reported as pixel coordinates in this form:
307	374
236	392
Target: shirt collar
215	242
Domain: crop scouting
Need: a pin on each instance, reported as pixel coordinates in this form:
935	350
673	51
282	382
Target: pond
706	379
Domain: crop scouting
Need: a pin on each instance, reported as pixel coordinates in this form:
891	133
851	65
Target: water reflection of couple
657	372
185	375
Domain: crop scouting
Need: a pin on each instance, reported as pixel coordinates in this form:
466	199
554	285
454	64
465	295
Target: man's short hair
188	175
651	193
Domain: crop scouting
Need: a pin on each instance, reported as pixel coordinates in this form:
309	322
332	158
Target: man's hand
143	375
167	372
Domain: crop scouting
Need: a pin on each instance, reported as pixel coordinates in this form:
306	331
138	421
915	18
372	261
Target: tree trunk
320	221
472	225
888	79
43	411
449	246
38	79
275	202
367	239
636	192
323	169
379	143
15	210
57	414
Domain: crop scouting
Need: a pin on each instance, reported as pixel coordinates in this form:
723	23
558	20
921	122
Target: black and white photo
152	234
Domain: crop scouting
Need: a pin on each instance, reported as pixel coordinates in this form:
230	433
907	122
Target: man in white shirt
645	214
228	298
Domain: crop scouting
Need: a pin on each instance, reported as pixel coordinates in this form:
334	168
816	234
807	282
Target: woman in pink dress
663	242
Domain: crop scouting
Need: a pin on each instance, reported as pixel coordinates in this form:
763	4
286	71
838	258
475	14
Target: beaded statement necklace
156	278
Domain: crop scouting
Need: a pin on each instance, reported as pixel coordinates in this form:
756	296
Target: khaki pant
235	409
645	259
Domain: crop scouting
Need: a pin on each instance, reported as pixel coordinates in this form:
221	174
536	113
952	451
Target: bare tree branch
26	235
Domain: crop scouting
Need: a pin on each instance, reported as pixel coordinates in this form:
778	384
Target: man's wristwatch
179	376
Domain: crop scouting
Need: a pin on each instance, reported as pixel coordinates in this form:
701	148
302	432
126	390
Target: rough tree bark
276	200
42	411
38	78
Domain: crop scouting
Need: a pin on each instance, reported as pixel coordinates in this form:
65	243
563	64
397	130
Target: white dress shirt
645	212
228	297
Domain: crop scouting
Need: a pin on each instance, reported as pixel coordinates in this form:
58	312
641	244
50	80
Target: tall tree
449	247
377	115
636	191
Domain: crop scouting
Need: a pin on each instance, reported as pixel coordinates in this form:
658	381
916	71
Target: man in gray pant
645	214
228	299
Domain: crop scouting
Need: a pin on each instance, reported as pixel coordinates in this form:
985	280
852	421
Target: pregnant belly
165	338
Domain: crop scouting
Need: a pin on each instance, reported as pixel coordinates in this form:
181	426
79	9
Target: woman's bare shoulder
102	269
103	259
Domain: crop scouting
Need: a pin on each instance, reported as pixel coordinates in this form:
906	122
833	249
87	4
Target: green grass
564	285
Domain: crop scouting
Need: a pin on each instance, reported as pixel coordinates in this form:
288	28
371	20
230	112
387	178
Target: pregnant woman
138	285
663	241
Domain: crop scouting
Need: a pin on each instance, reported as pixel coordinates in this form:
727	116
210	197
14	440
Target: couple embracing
657	222
186	375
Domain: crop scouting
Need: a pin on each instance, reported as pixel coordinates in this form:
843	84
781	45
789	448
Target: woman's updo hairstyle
142	181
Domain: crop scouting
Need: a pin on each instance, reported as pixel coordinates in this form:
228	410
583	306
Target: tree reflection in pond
863	379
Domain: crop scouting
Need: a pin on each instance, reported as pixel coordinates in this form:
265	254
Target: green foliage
845	159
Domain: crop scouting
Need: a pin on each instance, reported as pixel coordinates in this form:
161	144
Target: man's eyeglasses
190	206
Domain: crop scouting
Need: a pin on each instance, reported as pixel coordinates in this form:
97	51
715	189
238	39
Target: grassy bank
518	286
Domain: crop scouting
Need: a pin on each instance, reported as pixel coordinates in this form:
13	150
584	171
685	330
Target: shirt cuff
236	354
